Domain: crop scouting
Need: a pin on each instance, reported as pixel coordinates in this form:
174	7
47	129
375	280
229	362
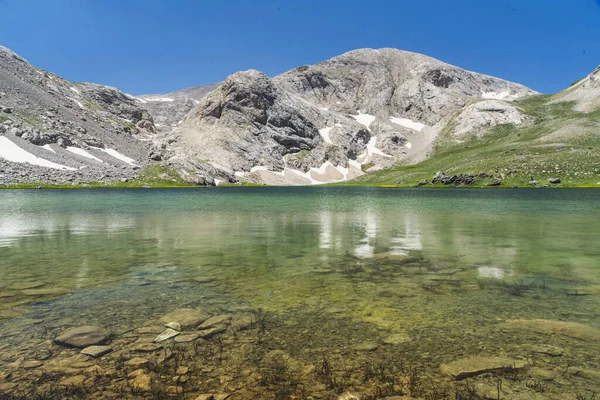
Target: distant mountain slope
85	132
169	109
366	109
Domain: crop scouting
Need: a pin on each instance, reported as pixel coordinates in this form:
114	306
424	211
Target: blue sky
158	46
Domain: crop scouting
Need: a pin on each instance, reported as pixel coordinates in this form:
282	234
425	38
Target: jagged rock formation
365	109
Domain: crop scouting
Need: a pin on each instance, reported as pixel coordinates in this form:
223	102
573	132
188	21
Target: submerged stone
544	349
96	351
167	334
397	338
473	366
214	321
545	327
83	337
186	317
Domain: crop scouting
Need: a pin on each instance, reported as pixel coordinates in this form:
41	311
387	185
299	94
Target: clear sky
159	46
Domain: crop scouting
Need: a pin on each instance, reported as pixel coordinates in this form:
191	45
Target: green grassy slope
560	143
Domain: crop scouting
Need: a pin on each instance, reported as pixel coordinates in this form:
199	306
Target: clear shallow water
440	268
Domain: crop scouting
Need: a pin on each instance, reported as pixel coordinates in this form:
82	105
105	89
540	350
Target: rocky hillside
364	110
52	130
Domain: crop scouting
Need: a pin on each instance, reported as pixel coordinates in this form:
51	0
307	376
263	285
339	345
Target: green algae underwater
315	293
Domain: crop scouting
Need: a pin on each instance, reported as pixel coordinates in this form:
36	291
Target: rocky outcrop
367	107
477	117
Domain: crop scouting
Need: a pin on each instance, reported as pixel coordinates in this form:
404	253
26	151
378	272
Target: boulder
554	180
83	337
186	317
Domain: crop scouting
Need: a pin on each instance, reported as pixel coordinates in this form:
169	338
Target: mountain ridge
361	112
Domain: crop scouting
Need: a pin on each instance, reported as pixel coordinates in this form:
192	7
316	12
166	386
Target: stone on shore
473	366
82	337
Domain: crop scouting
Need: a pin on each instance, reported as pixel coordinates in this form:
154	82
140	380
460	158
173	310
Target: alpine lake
300	293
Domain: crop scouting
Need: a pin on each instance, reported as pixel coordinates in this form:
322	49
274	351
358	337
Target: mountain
367	116
58	131
364	110
543	140
170	109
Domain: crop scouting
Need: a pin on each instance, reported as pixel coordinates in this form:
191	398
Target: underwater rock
473	366
174	325
222	396
83	337
76	380
167	334
213	321
241	323
546	349
588	374
96	351
137	362
206	333
545	327
366	347
186	317
397	338
542	374
186	338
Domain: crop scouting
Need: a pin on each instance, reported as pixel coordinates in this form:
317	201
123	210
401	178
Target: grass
3	119
93	106
513	154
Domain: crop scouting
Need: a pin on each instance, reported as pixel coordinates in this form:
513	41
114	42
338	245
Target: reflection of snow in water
17	226
325	234
491	272
410	240
365	249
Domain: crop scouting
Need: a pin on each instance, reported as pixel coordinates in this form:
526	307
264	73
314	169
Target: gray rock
554	180
82	337
96	351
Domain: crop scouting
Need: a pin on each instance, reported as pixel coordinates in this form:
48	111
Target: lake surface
349	290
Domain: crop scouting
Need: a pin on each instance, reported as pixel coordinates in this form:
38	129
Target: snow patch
408	123
82	152
48	147
218	182
499	96
372	148
118	156
324	108
169	99
408	145
76	102
364	119
10	151
74	89
325	134
140	100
